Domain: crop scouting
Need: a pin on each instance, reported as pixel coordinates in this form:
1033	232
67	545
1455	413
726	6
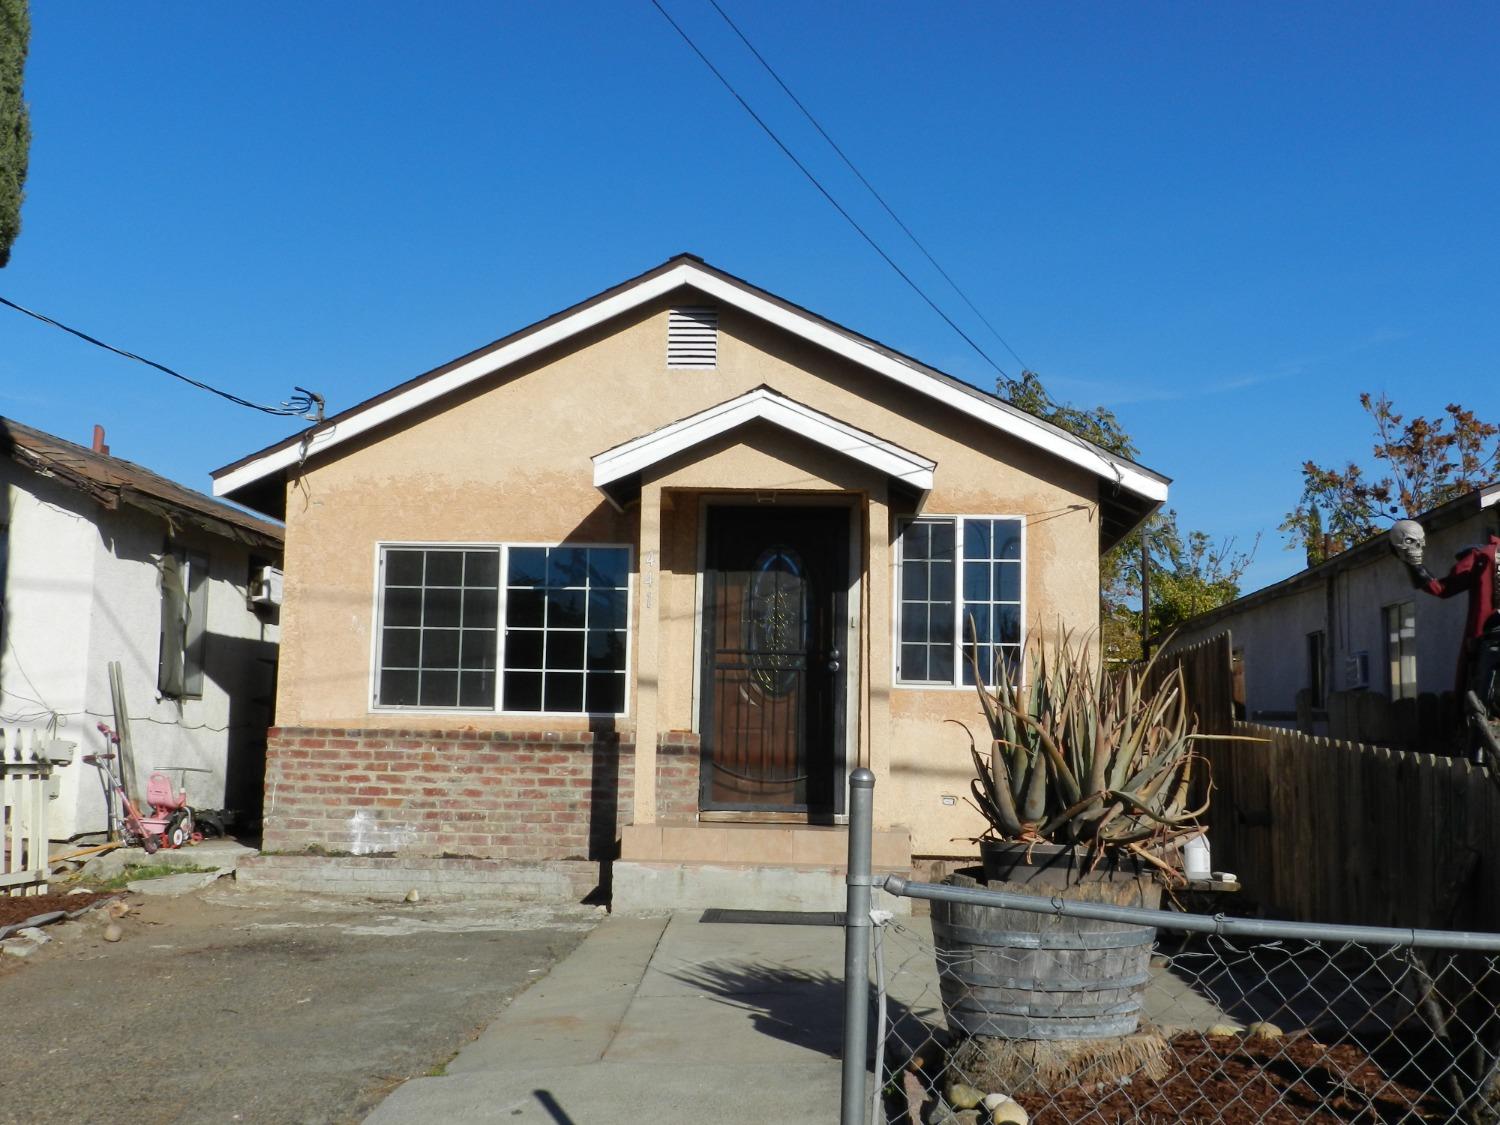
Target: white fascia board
762	405
1015	423
1489	496
476	368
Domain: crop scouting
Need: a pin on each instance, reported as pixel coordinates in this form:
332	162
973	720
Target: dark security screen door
774	622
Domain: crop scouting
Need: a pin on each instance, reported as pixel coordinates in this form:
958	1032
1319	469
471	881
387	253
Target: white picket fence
24	774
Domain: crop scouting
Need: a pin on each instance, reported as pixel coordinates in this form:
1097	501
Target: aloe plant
1082	754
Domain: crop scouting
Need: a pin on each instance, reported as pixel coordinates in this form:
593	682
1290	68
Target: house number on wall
648	578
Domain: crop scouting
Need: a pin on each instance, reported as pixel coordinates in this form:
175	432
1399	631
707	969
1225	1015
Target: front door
775	615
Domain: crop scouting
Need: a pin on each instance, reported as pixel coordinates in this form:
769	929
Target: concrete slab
661	1018
171	886
215	852
663	1092
675	1020
571	1016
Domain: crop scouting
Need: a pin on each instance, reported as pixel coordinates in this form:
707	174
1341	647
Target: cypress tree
15	125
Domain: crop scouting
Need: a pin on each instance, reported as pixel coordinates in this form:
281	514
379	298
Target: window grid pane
926	609
566	622
435	653
982	558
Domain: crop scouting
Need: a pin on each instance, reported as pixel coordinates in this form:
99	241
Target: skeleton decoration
1408	541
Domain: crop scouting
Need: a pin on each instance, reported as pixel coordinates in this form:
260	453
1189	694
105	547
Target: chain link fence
1057	1013
1000	1008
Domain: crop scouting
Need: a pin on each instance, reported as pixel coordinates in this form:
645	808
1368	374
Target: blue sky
1223	221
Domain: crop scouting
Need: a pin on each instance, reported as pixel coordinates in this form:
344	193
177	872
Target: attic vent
693	338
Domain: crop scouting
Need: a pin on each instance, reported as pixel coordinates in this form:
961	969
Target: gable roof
1131	491
113	481
624	463
1375	549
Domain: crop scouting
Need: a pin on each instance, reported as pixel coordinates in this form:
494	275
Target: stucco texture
508	460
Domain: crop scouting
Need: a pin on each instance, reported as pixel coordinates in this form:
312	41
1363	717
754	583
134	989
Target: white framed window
959	584
1401	649
505	628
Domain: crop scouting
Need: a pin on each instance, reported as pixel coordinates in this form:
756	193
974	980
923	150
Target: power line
824	191
906	230
1088	447
305	404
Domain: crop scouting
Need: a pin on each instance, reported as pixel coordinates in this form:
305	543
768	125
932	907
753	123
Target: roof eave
236	480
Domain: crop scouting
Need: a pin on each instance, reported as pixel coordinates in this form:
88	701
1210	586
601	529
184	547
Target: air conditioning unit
265	587
1356	671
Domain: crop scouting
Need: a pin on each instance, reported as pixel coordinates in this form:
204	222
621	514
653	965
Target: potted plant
1086	786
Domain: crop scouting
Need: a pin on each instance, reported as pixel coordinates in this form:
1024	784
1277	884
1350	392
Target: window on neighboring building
960	589
1317	665
1401	649
503	628
184	624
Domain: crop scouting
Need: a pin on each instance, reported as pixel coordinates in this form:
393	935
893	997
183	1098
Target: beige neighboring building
634	588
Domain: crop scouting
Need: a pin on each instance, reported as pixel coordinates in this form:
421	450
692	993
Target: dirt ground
238	1006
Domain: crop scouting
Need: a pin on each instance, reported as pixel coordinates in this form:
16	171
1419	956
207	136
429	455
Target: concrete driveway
237	1006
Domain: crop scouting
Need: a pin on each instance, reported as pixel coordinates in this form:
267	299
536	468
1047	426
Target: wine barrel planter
1014	974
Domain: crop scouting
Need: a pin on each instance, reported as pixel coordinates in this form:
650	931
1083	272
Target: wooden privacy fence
1207	678
1321	830
1326	831
24	774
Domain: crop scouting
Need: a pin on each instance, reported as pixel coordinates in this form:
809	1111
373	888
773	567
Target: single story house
644	581
103	561
1349	648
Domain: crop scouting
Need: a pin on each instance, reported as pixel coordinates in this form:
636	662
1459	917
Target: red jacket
1473	572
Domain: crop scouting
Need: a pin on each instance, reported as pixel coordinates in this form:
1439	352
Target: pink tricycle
170	823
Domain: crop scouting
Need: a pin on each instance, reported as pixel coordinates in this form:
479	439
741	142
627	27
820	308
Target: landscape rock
18	947
962	1096
1005	1110
33	933
916	1095
113	932
413	895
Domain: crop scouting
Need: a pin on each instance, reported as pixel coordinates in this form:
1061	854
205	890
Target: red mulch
1234	1079
18	908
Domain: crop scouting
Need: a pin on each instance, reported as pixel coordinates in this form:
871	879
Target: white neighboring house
102	560
1351	634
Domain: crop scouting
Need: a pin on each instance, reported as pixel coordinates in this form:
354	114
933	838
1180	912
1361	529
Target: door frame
850	718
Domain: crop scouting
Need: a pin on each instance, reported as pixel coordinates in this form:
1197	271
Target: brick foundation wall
514	795
677	757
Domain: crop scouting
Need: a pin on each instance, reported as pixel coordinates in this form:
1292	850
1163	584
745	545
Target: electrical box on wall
1356	671
265	587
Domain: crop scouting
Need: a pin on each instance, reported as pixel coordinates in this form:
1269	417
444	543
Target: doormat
775	917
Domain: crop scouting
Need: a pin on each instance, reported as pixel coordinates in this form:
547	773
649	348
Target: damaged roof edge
112	481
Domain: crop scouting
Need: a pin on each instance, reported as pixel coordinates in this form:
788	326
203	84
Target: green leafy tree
1420	464
15	124
1189	574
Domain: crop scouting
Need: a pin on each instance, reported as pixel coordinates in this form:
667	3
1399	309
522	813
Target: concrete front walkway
674	1020
657	1019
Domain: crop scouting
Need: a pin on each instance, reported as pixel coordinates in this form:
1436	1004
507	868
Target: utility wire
824	191
906	230
1088	447
306	404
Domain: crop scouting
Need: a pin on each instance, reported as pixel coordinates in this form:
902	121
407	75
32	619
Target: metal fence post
857	948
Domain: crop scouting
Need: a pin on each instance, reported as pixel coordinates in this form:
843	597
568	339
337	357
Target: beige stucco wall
509	461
